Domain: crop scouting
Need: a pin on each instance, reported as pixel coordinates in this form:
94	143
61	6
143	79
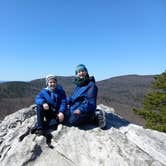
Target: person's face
52	84
81	73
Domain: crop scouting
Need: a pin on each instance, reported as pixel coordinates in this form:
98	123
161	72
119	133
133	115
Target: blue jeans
48	114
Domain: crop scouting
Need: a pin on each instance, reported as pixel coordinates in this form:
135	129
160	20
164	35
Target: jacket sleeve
63	104
39	100
89	104
69	100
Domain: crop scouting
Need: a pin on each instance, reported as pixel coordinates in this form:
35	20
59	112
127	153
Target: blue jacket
84	98
56	99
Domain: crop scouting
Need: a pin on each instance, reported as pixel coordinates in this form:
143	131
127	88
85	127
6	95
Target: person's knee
73	121
39	108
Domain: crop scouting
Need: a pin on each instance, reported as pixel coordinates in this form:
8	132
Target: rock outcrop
120	144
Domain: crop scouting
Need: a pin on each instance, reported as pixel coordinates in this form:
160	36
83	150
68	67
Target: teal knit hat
81	67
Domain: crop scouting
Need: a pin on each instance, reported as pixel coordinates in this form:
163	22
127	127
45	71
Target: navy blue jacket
56	99
84	98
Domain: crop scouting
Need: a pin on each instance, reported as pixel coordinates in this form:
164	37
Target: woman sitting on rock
82	102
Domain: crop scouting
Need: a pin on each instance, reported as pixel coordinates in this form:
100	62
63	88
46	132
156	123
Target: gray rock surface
120	144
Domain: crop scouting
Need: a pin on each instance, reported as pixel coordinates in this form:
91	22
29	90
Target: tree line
154	105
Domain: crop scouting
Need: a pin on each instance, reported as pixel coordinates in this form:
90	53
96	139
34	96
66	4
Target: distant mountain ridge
125	93
122	92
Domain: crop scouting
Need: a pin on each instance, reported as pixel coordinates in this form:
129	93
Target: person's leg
40	117
40	120
51	118
66	119
77	120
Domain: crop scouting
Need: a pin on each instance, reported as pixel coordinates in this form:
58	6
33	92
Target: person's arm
70	98
89	104
40	100
63	104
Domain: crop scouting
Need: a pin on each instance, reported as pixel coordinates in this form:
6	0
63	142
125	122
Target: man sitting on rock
51	104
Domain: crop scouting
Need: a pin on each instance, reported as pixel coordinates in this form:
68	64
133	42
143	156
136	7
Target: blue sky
111	37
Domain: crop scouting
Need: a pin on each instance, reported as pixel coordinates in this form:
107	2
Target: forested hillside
123	93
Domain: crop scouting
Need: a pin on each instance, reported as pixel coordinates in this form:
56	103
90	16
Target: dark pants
72	119
48	114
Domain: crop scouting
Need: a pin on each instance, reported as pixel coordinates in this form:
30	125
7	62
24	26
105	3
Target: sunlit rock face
119	144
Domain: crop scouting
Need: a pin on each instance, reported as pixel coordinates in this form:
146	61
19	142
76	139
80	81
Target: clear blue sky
111	37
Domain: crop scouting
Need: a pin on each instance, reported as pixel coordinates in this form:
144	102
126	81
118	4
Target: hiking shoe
39	132
100	118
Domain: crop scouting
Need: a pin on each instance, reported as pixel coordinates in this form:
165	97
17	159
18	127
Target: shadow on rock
115	121
37	152
112	120
88	126
46	133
